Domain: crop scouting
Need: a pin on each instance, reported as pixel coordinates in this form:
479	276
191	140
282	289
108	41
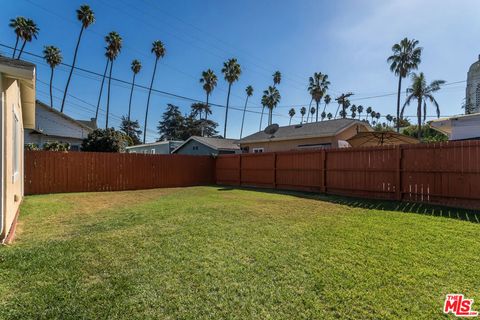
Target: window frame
258	150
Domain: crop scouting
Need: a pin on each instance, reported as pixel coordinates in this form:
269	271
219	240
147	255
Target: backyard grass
211	253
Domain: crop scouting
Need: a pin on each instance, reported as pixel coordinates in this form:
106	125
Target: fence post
398	189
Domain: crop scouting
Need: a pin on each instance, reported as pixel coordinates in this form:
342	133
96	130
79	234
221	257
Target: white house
463	127
54	126
17	87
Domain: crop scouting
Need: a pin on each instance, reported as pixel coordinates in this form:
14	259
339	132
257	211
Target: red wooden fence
55	172
442	173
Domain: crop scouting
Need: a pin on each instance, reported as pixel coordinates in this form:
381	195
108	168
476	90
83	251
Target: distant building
472	98
463	127
208	146
160	147
314	135
52	125
17	98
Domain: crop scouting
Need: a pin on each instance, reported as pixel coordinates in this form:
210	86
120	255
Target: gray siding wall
164	148
195	148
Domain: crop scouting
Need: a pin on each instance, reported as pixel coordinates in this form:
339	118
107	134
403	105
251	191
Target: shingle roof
306	130
81	123
16	63
214	143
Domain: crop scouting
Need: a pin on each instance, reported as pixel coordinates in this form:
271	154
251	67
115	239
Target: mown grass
207	252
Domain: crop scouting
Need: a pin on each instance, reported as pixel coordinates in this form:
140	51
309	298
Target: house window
258	150
195	147
153	151
16	140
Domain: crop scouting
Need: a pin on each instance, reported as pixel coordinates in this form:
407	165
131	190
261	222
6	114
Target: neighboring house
52	126
208	146
464	127
160	147
17	84
314	135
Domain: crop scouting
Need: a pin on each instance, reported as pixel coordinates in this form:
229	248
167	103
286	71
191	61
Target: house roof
85	124
24	73
307	130
214	143
444	125
158	143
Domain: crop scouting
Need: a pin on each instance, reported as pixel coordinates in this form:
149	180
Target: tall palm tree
353	109
86	16
303	111
373	114
318	86
30	31
53	57
136	66
159	50
272	99
327	99
114	45
291	114
231	71
102	83
249	92
277	78
389	118
422	92
18	25
329	116
405	58
197	109
323	115
360	110
209	81
369	112
264	104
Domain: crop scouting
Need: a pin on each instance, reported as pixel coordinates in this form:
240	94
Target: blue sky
349	40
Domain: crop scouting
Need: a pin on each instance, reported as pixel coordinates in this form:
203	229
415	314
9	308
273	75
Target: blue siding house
208	146
160	147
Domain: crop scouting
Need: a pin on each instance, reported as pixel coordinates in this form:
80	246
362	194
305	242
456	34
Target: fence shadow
386	205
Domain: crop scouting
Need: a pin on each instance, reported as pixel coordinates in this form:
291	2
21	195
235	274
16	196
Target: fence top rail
125	154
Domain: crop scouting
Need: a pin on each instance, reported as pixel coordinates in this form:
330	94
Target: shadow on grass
470	215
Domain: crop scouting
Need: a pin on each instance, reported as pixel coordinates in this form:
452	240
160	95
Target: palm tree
136	66
209	80
114	45
231	71
159	50
249	92
197	109
360	110
264	104
327	101
277	78
273	97
30	31
303	111
389	118
18	25
312	111
369	111
101	84
422	92
53	57
291	113
86	16
329	116
405	58
323	115
353	109
377	116
318	86
343	102
373	114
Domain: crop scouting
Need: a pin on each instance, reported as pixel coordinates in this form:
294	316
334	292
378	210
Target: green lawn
208	252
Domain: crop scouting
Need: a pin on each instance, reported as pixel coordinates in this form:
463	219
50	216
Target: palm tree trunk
148	100
290	121
302	118
51	93
226	110
243	117
316	115
206	108
270	112
261	119
101	89
71	69
337	111
419	116
398	101
308	111
324	108
108	93
131	95
15	49
21	50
